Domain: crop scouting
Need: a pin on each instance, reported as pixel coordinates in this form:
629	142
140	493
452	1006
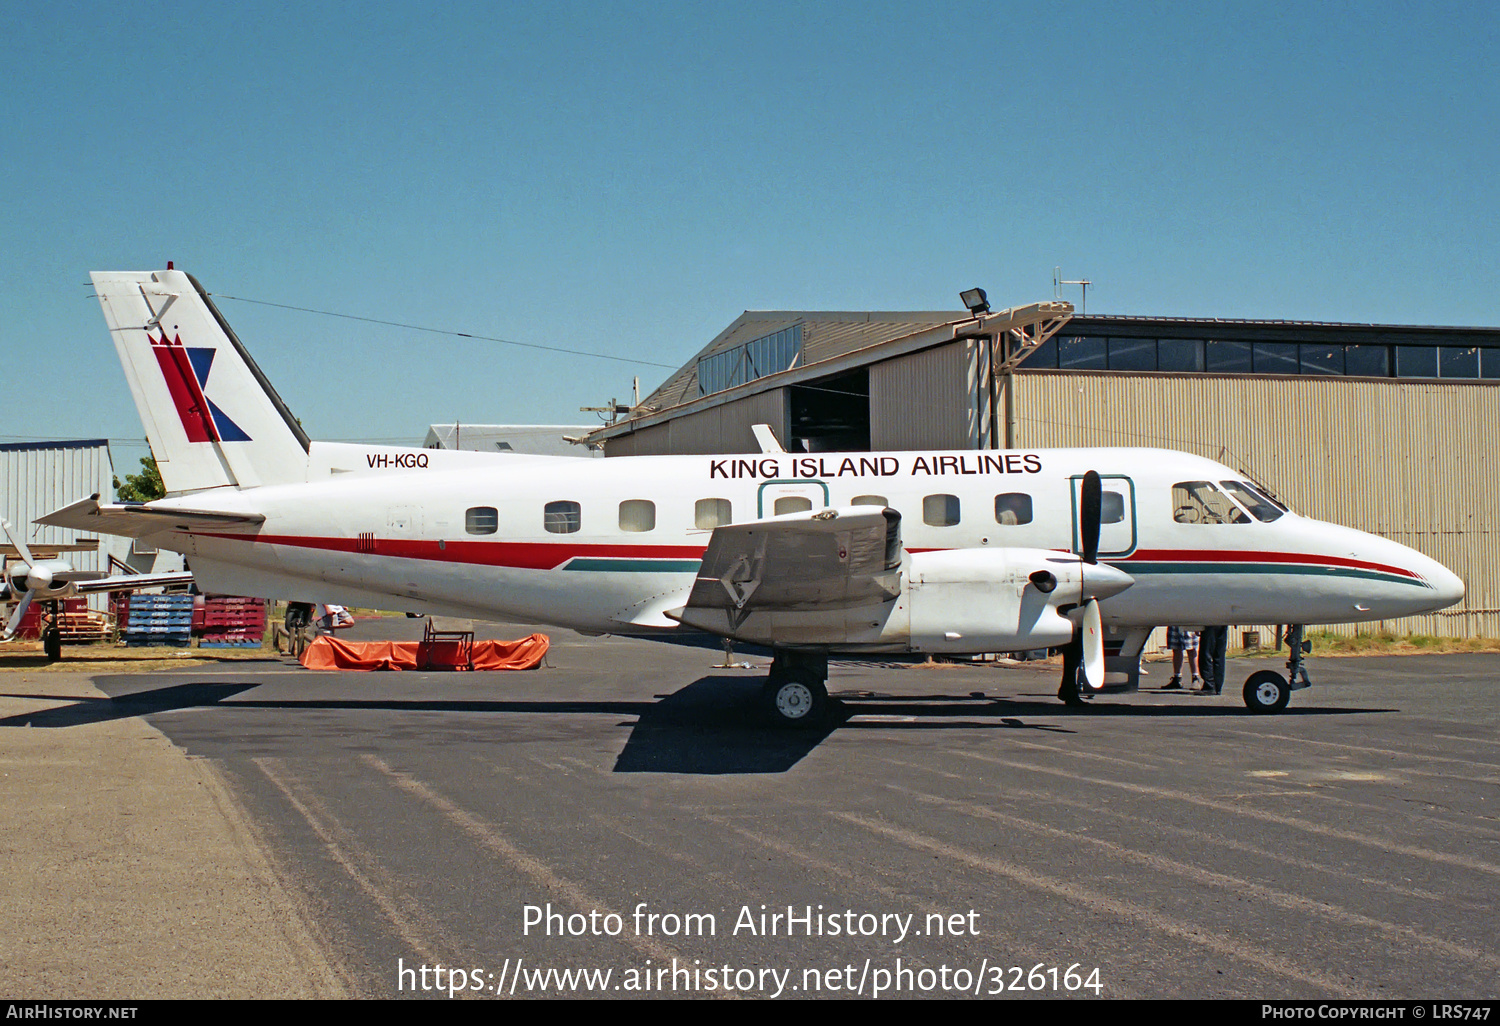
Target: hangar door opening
831	414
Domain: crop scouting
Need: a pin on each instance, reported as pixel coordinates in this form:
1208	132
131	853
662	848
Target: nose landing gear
1267	691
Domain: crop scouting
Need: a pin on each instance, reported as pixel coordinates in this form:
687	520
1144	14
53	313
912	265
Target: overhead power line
455	334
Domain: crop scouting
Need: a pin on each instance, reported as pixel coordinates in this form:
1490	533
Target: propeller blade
15	617
1092	632
1090	499
18	542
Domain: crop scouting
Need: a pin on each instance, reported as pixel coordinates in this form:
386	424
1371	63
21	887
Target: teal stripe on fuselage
617	565
1131	567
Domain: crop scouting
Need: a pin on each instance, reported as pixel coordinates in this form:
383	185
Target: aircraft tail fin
212	418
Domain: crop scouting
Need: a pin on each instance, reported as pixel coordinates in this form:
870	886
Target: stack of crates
231	621
158	620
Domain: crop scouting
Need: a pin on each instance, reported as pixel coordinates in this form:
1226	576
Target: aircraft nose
1448	585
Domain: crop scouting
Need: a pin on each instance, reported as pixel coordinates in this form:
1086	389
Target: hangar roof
825	335
806	344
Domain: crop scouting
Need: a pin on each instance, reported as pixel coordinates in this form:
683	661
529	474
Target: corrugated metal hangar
39	477
1388	429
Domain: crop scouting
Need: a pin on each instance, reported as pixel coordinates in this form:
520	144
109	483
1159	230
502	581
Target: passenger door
1117	527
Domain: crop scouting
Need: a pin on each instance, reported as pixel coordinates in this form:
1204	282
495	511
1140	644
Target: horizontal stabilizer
133	521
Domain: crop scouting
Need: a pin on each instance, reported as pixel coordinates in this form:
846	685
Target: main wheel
795	702
1267	691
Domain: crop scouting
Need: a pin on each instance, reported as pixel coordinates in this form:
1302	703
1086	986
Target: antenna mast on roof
1058	283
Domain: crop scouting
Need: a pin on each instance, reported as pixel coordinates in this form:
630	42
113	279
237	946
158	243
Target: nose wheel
1267	691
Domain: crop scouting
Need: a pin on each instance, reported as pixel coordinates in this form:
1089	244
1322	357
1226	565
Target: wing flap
828	560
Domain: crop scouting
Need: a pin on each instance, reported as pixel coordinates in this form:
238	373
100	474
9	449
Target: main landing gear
795	693
1267	691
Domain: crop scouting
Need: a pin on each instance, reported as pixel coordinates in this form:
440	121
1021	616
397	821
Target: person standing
1212	646
1182	642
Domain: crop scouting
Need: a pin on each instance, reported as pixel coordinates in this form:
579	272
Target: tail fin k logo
186	371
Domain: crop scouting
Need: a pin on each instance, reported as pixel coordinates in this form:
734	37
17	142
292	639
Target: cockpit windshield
1199	502
1260	507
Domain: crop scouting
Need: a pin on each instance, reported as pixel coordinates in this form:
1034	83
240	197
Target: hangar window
1489	363
1367	361
562	517
1132	354
1275	357
869	500
481	520
1182	355
1228	357
1322	359
755	359
711	513
637	515
1044	355
1416	362
940	510
1013	508
1458	361
1082	353
1199	502
791	504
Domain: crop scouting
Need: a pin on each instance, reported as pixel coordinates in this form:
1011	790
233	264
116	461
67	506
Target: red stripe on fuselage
550	555
516	555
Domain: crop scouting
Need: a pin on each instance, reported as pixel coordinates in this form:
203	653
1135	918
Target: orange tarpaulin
329	653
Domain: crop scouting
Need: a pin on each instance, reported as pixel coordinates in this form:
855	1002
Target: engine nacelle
48	578
984	600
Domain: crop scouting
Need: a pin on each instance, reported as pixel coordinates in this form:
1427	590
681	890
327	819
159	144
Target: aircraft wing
130	582
133	521
825	560
52	550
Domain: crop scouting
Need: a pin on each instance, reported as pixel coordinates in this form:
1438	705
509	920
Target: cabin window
637	515
1199	502
711	513
481	520
792	504
1013	508
1111	508
869	500
1259	506
562	517
940	510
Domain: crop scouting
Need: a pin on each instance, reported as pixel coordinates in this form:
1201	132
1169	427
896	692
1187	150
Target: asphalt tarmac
619	823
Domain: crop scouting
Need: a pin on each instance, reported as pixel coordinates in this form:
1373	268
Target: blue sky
627	178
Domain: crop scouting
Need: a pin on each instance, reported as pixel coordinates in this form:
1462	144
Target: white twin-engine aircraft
807	555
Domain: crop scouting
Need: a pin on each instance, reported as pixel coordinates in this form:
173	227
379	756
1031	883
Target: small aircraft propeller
44	577
1087	647
1090	506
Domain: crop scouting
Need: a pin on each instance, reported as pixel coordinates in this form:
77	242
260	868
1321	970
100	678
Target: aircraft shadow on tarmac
711	726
